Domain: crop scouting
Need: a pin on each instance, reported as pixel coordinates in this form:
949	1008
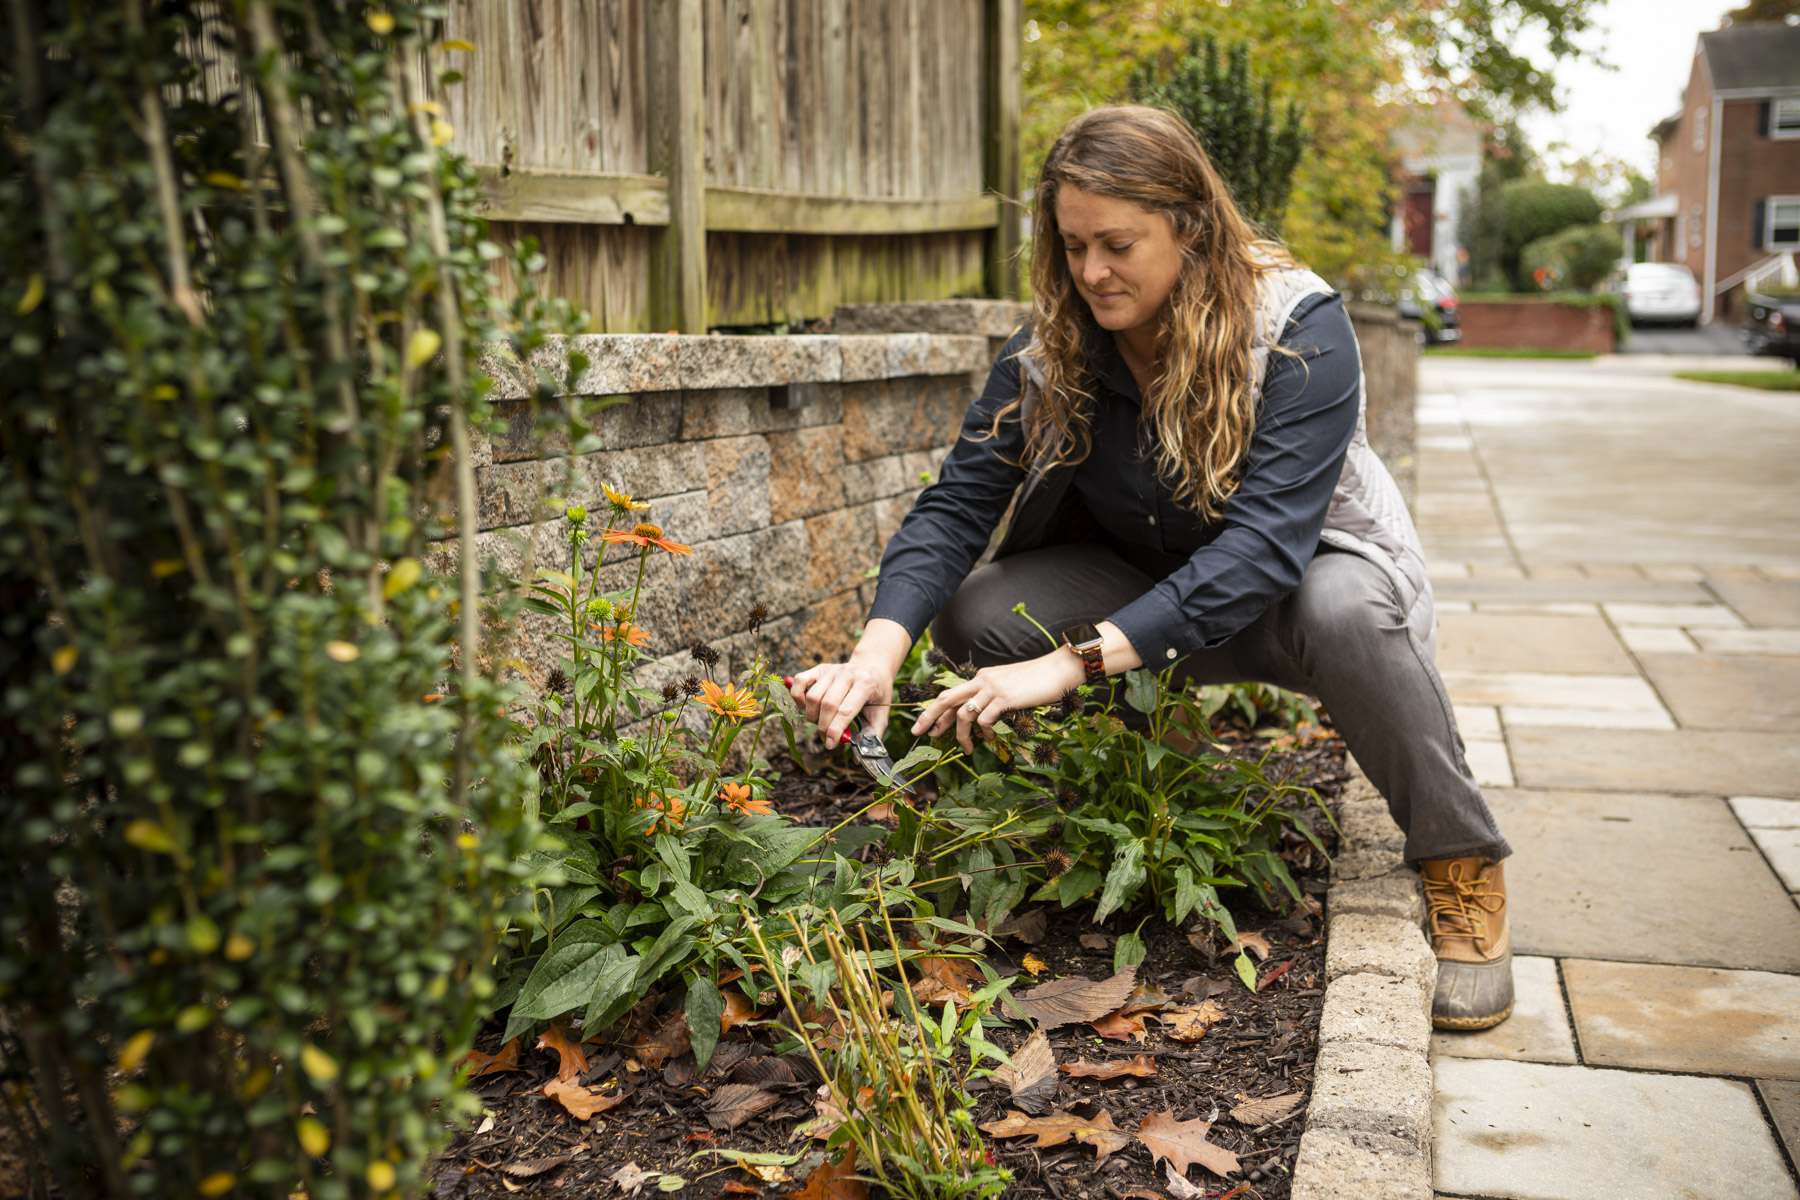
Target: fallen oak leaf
734	1103
530	1167
1031	1075
1255	943
1120	1027
1268	1108
942	978
504	1059
631	1178
1095	941
582	1103
666	1041
738	1010
1191	1023
1072	1001
1058	1127
1183	1143
1028	927
1146	997
1180	1188
835	1181
1140	1065
571	1061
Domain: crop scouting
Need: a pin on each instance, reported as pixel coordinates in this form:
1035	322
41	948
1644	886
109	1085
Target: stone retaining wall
785	462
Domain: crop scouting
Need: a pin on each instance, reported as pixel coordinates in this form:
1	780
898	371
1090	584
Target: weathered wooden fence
694	163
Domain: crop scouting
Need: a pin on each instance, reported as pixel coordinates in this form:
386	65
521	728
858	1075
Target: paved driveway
1720	337
1617	559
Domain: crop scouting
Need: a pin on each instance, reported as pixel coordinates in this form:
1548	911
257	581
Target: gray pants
1339	636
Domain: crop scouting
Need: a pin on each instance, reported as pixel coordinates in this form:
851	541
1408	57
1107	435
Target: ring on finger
973	706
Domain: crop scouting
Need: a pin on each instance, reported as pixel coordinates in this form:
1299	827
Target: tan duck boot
1465	917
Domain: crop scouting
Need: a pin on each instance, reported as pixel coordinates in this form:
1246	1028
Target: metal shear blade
875	759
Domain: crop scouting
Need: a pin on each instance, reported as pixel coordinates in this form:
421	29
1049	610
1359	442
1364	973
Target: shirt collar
1107	365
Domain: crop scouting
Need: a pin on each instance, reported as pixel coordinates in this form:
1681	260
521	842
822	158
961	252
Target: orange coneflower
646	535
622	501
736	797
624	631
730	700
671	810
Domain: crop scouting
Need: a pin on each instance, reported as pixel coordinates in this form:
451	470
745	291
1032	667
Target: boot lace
1459	904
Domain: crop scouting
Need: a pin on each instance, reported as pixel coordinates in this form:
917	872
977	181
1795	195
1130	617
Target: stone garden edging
1368	1122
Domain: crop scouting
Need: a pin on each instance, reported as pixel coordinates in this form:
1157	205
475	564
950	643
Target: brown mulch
1264	1046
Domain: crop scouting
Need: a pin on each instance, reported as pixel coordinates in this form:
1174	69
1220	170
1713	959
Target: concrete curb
1368	1121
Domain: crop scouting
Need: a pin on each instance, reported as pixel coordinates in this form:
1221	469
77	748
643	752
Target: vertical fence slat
678	112
1000	155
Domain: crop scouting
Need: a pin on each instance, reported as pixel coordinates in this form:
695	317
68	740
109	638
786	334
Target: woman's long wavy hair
1201	407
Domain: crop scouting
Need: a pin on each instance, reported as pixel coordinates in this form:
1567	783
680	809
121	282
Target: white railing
1777	268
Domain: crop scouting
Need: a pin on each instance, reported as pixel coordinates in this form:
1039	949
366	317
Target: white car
1661	292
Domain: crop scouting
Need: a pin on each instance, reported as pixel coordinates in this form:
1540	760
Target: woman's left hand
996	691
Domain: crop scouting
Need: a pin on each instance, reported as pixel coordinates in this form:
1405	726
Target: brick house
1728	172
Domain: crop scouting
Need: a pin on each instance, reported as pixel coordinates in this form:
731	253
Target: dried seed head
1024	725
704	654
759	612
1068	706
912	693
1067	797
1049	755
1058	861
671	689
690	686
556	681
936	658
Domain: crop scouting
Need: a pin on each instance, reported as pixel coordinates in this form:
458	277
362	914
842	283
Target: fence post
1000	139
677	104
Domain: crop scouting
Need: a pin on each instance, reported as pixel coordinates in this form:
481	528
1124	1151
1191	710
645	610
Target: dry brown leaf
1028	927
1146	997
504	1059
1141	1065
1071	1001
1255	943
1059	1127
945	978
1265	1109
573	1062
631	1178
765	1069
664	1042
527	1168
582	1103
1031	1076
1095	941
734	1103
1120	1027
1191	1023
737	1187
1034	966
1183	1143
1180	1188
835	1181
737	1011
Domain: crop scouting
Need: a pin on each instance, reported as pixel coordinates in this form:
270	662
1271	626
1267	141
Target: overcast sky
1651	43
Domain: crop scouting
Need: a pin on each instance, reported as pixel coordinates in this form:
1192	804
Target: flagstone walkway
1616	556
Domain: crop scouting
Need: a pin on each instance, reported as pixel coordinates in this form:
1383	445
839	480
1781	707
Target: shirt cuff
1156	629
897	600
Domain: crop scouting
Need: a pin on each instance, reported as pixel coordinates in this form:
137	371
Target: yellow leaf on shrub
126	721
136	1050
226	180
62	659
402	575
139	1146
162	568
319	1066
146	834
256	1083
34	295
193	1018
239	947
441	132
424	342
218	1183
202	935
315	1139
344	652
381	1176
382	23
457	44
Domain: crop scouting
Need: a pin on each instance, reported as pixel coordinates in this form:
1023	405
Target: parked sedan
1772	325
1661	292
1431	301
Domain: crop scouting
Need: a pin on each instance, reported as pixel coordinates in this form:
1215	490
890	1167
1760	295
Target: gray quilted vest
1367	517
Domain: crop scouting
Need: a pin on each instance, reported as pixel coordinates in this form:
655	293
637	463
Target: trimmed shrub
1531	209
265	821
1579	257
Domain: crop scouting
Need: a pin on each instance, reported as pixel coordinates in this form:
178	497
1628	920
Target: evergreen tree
1236	123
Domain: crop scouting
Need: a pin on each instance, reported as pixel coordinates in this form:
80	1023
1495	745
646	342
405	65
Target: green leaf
1076	884
1123	879
705	1008
1128	951
920	755
1246	970
1141	691
565	976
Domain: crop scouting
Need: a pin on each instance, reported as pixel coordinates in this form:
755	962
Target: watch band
1092	658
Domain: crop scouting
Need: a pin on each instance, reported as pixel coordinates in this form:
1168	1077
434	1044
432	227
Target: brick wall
1751	168
1537	325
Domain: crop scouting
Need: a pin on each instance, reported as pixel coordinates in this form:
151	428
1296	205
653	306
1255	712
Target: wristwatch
1085	640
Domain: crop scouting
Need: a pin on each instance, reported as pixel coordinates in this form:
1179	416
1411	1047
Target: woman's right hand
833	694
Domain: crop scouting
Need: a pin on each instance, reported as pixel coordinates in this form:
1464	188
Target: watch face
1076	635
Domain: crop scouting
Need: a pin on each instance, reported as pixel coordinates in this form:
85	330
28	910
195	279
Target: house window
1781	223
1784	117
1698	118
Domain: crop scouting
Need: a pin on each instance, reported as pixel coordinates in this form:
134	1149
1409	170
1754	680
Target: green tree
1506	157
1531	209
1762	10
1236	121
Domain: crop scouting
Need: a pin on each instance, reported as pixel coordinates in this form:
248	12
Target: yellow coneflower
729	700
645	534
622	501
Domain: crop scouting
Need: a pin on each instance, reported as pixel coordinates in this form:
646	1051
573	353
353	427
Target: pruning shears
867	748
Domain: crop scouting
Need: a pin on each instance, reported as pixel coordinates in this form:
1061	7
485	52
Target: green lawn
1769	381
1503	352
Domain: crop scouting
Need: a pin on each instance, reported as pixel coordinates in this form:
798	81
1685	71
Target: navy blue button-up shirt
1214	578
